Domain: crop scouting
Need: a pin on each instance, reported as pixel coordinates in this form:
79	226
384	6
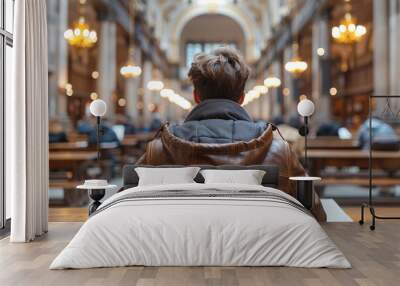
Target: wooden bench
68	146
384	160
364	182
332	143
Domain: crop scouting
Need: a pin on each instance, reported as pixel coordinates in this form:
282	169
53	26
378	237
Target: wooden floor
375	257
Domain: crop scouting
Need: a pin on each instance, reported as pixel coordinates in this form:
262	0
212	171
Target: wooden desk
324	143
71	161
68	146
385	160
76	163
138	138
72	156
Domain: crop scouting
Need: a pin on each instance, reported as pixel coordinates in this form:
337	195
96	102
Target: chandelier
80	35
130	70
296	65
348	32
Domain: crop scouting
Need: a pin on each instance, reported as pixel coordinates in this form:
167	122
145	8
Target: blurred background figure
384	137
56	131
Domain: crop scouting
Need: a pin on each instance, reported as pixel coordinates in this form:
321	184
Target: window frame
6	39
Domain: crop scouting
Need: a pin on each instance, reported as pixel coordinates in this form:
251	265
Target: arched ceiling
220	29
255	17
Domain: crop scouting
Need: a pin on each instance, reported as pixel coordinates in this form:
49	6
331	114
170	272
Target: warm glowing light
296	66
302	97
320	52
95	74
261	89
80	35
151	107
333	91
272	82
155	85
94	96
286	91
122	102
68	89
348	32
130	70
175	98
166	93
250	96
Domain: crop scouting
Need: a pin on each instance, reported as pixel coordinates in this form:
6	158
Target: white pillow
166	176
248	177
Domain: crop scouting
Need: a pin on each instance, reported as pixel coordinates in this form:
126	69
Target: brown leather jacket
166	148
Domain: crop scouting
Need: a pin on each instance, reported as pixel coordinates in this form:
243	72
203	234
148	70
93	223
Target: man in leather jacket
219	131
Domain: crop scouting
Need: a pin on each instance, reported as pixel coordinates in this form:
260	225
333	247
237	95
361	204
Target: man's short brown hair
220	74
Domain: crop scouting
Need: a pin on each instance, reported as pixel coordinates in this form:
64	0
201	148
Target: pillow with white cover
166	176
247	177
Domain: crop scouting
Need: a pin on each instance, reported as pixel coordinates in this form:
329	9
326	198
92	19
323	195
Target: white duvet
202	231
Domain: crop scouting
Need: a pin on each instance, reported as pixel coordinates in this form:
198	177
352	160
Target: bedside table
305	191
96	190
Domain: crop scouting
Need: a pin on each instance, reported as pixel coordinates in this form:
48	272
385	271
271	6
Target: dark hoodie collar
218	109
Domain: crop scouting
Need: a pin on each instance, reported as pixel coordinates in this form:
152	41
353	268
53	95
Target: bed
197	224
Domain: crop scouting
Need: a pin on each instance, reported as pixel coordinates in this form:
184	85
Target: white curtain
26	124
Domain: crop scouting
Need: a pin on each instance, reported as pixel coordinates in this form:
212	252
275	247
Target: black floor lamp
305	108
97	188
305	190
98	108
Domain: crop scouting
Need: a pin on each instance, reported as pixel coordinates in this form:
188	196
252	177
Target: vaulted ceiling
257	19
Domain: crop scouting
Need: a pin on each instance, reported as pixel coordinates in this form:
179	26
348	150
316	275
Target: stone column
275	93
381	51
57	14
147	74
132	90
394	40
107	65
320	75
288	81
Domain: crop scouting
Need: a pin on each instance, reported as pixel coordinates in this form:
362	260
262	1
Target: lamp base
96	195
305	190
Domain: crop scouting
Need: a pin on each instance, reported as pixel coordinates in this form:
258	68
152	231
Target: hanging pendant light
130	69
296	65
155	84
272	82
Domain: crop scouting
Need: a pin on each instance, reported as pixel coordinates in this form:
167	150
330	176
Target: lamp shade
98	108
305	108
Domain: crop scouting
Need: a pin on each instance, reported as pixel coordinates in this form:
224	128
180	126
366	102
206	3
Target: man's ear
196	96
241	99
